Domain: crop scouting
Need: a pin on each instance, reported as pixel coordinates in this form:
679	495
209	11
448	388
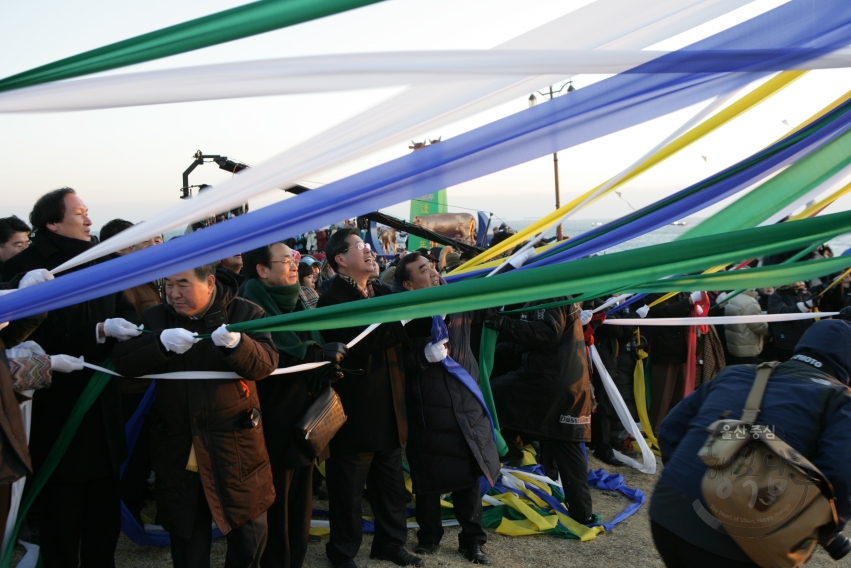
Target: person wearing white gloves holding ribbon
79	507
206	434
450	444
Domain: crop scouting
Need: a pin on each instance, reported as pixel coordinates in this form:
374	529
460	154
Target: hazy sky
128	162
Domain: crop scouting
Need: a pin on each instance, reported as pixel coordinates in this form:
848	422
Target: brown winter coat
212	414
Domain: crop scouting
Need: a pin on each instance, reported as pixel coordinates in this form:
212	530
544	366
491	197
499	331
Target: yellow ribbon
639	388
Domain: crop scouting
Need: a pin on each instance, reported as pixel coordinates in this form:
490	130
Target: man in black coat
207	445
548	397
273	284
368	448
79	507
451	440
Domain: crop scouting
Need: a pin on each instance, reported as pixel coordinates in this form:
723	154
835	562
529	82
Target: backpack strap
754	400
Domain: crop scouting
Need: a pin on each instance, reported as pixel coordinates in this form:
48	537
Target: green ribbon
486	354
236	23
96	385
782	190
624	270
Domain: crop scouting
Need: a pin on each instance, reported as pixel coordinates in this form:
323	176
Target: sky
128	162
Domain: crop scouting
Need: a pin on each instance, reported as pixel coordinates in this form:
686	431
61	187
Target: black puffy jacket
450	442
668	344
785	301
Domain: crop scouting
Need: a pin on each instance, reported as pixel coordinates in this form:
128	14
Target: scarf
278	300
369	292
309	297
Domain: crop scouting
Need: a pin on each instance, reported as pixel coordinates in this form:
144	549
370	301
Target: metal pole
559	228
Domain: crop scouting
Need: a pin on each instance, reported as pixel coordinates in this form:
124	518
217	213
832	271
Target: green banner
237	23
424	206
623	270
782	190
486	355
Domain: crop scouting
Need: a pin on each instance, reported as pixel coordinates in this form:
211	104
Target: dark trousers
573	469
245	543
601	422
467	506
79	522
134	482
667	385
289	518
679	553
345	476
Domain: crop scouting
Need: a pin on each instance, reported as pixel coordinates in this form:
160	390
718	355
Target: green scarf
279	300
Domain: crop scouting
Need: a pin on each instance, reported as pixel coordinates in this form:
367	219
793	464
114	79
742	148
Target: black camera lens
837	545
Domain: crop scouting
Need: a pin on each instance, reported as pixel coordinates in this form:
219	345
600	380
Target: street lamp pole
532	102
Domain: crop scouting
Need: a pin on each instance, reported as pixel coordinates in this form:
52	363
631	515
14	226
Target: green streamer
628	269
237	23
486	354
96	384
782	190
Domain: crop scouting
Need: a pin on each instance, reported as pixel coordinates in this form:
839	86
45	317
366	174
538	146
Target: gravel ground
628	545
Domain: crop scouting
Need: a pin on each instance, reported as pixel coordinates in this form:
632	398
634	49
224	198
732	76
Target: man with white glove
436	352
224	338
806	306
84	490
178	340
118	328
643	311
585	316
65	363
451	417
33	277
187	453
696	297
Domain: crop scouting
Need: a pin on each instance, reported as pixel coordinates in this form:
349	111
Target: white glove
696	297
520	259
436	352
642	311
224	338
178	340
803	307
120	329
65	363
699	310
34	277
585	316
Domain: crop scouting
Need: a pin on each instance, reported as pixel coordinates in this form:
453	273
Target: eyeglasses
289	261
359	246
18	246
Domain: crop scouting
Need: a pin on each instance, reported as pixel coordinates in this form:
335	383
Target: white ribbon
424	107
648	460
723	320
338	72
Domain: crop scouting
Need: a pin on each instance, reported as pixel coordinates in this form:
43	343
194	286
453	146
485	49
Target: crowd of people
226	451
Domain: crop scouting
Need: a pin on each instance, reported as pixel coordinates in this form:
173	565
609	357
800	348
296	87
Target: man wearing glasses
14	237
368	448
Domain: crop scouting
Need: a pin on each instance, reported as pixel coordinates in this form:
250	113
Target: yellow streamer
584	533
745	103
540	522
638	387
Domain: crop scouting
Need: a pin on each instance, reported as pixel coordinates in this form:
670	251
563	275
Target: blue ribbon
592	112
439	332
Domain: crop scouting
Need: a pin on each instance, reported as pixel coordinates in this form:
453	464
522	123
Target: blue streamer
597	110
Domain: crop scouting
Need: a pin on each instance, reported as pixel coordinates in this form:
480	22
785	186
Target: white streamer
424	107
325	73
723	320
648	464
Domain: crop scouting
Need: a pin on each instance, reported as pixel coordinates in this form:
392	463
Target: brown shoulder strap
752	404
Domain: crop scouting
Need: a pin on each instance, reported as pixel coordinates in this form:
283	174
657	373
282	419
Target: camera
836	544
